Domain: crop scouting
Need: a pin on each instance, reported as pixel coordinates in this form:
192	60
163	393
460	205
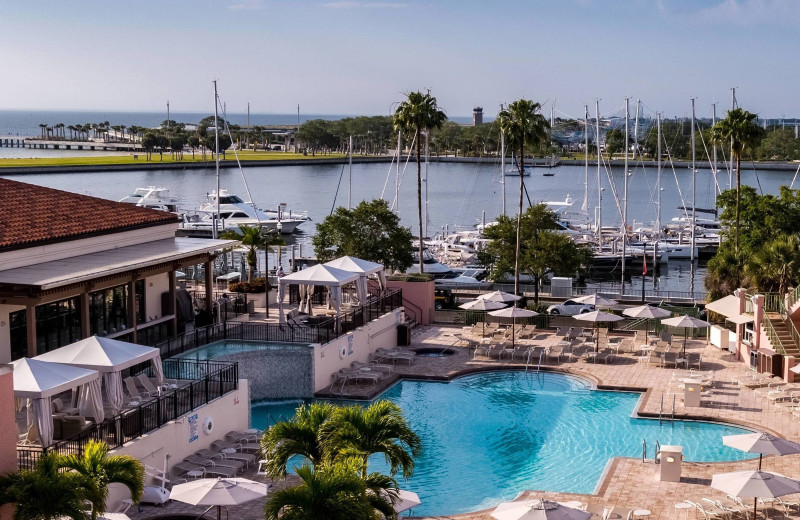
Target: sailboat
514	170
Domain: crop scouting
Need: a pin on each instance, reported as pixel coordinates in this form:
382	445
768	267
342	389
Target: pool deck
622	484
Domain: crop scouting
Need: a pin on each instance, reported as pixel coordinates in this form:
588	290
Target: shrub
256	286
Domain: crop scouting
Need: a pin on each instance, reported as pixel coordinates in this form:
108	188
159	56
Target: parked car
570	308
444	299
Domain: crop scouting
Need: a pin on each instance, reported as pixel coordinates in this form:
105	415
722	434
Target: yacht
233	212
154	198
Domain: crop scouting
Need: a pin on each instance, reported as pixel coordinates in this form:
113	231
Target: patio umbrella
597	317
538	510
795	369
597	301
218	492
755	485
406	500
499	296
514	313
482	304
686	322
648	312
762	443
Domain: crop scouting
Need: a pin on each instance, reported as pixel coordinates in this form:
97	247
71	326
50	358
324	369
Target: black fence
199	383
316	329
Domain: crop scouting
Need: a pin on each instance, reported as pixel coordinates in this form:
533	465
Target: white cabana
363	268
330	277
110	357
40	381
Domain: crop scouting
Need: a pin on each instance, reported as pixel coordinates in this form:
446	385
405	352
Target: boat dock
20	141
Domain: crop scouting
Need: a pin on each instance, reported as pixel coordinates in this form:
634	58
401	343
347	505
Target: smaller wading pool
434	351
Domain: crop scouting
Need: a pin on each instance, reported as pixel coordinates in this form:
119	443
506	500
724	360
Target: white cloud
246	5
357	4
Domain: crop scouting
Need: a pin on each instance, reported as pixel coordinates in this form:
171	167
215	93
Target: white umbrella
513	313
597	301
406	500
686	322
218	492
647	312
761	443
538	510
795	369
499	296
482	305
755	485
597	317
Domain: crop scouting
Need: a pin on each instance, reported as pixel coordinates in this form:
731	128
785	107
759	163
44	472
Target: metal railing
793	297
780	304
774	340
320	329
201	382
609	291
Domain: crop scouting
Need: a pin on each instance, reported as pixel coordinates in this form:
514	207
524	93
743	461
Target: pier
20	141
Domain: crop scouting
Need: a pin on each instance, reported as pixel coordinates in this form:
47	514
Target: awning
740	319
727	306
57	273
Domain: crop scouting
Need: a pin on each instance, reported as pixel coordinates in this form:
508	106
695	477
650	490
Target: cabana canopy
320	274
39	381
362	268
109	356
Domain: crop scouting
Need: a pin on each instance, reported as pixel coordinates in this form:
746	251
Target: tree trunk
519	215
419	199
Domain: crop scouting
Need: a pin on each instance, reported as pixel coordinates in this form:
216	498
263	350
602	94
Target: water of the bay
458	194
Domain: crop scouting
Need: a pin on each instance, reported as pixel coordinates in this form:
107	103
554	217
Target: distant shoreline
537	164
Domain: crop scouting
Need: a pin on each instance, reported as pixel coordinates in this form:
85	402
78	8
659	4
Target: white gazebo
39	381
363	268
320	274
109	357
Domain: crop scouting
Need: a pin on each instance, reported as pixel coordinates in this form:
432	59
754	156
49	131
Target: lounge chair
134	393
235	465
606	356
180	471
30	437
496	350
246	447
58	407
382	354
149	386
521	351
378	367
481	350
247	458
237	436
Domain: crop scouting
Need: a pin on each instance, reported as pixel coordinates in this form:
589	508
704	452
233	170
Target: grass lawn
101	160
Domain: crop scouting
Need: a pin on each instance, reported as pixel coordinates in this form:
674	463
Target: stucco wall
154	286
8	429
421	295
356	346
5	331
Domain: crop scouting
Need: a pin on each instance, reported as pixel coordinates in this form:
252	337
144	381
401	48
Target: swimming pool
488	436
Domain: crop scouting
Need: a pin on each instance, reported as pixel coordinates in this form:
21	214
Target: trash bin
671	457
403	335
691	394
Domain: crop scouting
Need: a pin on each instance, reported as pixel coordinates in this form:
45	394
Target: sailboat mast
216	161
636	129
714	151
730	170
625	196
397	179
427	157
694	189
599	184
350	175
658	162
503	163
585	208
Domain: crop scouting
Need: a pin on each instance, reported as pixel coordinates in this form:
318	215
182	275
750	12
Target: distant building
477	116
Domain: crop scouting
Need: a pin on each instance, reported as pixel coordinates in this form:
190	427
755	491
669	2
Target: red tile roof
33	215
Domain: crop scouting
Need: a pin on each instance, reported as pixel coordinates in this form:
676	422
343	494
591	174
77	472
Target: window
57	324
19	334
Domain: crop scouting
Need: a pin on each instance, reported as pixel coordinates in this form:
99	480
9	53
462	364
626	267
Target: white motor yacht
154	198
233	212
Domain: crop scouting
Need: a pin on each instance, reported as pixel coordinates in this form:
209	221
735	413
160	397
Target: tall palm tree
741	131
777	264
42	126
99	470
381	427
252	237
299	436
327	492
522	125
417	113
45	493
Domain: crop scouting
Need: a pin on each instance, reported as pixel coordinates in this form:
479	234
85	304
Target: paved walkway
628	483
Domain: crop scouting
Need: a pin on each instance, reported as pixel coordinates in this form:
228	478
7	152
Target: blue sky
359	56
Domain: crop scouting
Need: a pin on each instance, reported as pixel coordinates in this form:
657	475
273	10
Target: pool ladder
528	361
655	453
661	410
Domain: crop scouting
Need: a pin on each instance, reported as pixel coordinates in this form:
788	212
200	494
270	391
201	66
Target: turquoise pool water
488	436
226	347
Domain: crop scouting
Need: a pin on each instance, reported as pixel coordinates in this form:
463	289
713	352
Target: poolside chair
561	331
393	355
149	386
136	396
670	358
237	436
234	465
246	447
246	458
555	352
496	350
179	472
29	438
521	351
481	350
58	407
606	356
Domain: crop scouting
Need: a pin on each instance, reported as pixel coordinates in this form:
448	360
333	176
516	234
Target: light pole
267	234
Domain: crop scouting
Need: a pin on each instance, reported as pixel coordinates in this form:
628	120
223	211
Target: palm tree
741	131
42	126
328	492
522	124
418	112
45	493
99	470
776	264
252	237
381	427
299	436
